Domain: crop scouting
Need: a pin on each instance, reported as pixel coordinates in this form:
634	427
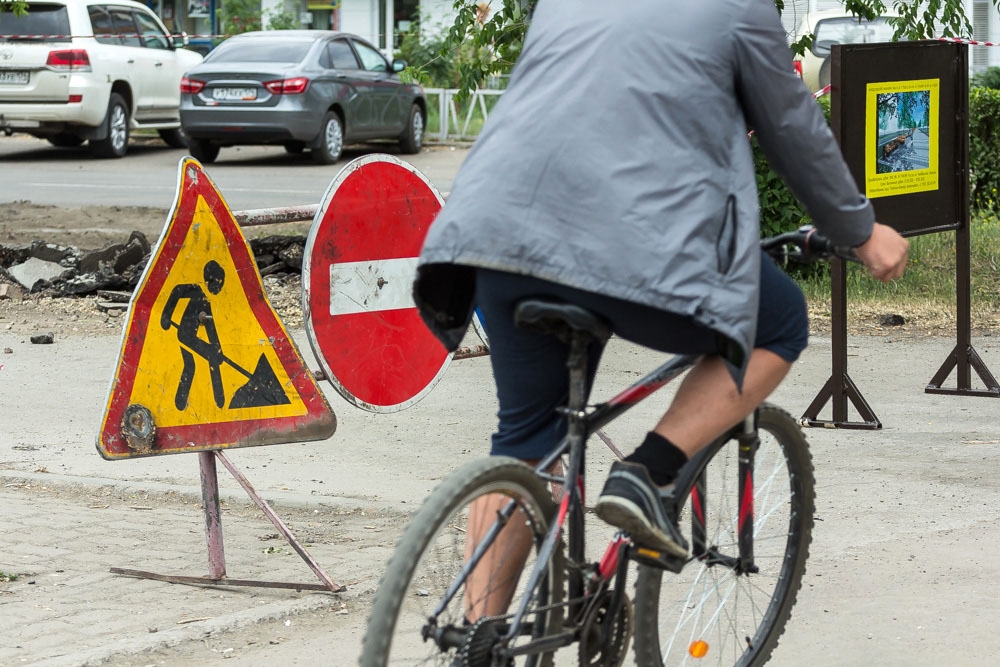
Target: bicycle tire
437	522
712	603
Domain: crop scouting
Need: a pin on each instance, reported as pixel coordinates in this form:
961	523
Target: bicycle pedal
657	559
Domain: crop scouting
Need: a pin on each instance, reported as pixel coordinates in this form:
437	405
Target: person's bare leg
707	402
490	587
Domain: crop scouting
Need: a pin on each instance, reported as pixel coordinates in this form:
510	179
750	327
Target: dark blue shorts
530	369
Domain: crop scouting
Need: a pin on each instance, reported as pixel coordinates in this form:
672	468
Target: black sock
661	458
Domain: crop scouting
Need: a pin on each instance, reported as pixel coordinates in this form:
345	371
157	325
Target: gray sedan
312	89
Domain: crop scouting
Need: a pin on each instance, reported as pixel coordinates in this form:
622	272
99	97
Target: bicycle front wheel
714	612
416	621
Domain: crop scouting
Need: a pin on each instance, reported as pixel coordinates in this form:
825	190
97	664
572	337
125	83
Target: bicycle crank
595	651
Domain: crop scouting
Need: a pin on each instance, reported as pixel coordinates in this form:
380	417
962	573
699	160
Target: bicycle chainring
592	652
477	651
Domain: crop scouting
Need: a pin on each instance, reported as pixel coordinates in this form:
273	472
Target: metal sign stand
964	357
213	532
861	74
840	387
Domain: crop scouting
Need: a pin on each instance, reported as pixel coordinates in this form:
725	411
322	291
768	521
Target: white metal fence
452	125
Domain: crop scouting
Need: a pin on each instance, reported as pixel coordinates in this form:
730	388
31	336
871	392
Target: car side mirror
398	65
822	48
179	41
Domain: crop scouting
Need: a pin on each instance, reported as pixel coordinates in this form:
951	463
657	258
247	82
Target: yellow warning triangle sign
205	361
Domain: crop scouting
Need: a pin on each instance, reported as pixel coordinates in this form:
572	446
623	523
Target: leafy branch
494	37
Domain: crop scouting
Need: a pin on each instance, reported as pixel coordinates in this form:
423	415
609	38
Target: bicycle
748	497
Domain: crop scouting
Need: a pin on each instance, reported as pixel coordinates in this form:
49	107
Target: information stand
900	113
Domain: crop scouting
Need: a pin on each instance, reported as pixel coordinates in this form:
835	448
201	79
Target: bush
780	211
984	148
989	78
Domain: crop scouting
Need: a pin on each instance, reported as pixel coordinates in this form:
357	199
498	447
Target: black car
301	89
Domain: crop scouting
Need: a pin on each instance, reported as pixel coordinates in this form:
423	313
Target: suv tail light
191	86
70	60
288	86
797	66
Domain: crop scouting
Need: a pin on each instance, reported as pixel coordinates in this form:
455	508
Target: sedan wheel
413	137
115	144
203	151
331	140
174	138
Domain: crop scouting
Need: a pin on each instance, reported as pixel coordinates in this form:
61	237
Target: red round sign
357	278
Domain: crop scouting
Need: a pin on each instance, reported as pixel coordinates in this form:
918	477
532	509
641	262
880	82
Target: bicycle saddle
560	319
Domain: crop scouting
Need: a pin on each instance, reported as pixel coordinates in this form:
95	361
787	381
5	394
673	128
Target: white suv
91	70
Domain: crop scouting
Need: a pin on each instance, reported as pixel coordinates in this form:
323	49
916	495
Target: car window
125	27
371	59
260	51
152	34
41	20
849	30
339	55
100	22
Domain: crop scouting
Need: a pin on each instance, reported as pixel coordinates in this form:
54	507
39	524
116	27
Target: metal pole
278	523
213	515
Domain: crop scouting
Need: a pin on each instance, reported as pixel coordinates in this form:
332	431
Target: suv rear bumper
28	115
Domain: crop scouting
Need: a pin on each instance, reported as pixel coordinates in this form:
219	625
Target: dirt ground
915	502
93	227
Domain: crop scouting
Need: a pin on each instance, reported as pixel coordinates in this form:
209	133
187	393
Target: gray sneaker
632	502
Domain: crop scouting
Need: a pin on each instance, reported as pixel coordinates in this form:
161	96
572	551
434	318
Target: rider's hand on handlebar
884	253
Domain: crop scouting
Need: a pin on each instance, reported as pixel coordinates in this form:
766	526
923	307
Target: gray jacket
618	162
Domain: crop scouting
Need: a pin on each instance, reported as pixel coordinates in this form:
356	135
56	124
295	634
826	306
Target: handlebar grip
816	243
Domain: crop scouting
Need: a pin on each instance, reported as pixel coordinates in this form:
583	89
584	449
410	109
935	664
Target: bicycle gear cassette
477	651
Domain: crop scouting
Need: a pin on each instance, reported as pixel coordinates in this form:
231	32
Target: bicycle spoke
714	612
429	603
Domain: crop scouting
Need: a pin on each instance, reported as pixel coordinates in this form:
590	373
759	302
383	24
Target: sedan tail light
191	86
69	60
288	86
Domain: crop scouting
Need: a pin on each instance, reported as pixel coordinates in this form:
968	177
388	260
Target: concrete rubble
113	271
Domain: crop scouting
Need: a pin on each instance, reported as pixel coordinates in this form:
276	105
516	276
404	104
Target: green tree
237	16
496	39
16	6
282	20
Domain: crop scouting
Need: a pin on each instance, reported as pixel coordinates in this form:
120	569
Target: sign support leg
840	388
213	530
964	357
213	516
278	523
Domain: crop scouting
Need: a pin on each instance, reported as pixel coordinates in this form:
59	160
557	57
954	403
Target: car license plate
234	94
13	76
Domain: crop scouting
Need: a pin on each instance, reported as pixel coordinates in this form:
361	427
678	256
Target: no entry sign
357	279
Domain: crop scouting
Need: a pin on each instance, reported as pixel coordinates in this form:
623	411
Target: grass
926	294
4	577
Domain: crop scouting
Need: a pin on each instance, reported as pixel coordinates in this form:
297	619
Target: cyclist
615	173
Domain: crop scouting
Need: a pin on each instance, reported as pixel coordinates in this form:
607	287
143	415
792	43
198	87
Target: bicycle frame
582	423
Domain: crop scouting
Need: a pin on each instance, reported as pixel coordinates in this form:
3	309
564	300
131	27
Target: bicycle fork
747	443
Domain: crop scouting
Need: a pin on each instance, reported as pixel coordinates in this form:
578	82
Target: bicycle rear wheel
710	613
430	555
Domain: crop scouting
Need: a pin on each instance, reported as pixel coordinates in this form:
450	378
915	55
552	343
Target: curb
180	635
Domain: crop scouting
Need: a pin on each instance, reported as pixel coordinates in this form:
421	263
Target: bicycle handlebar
810	244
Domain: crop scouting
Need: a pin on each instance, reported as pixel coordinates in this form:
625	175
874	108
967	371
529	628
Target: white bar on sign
370	286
